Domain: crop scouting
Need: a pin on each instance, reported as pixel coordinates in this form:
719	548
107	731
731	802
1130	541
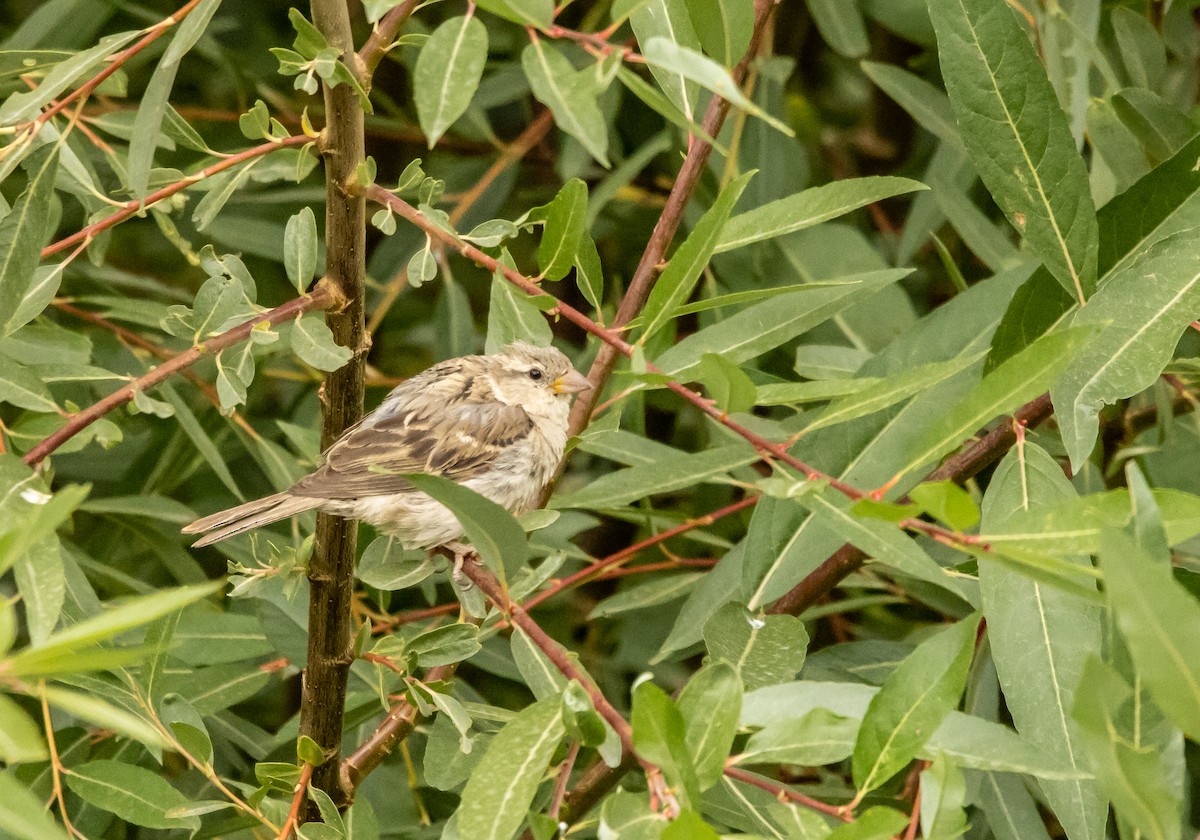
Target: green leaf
40	580
566	222
536	13
447	74
811	207
660	737
724	27
710	704
726	383
501	789
665	475
1131	775
153	106
769	324
386	565
668	55
39	520
763	649
313	342
105	715
492	530
943	795
1018	137
1139	324
512	316
443	645
556	84
589	273
924	103
27	226
912	703
676	283
539	673
132	793
877	823
300	248
1014	383
811	740
666	19
19	107
1041	637
21	739
1009	808
1159	621
24	815
1142	49
841	25
83	635
23	388
888	392
651	593
947	502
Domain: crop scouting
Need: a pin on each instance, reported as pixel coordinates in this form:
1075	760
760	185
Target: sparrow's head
531	375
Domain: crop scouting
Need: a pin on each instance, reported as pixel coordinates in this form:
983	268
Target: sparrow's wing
444	425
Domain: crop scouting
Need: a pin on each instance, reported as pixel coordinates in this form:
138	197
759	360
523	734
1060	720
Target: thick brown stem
331	569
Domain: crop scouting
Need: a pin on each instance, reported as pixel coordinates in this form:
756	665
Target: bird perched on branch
496	424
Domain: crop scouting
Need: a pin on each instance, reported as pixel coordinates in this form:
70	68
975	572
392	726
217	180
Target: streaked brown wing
430	433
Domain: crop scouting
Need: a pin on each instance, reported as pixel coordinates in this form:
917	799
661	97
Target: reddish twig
132	207
320	298
377	45
293	817
560	784
114	64
780	790
595	43
647	269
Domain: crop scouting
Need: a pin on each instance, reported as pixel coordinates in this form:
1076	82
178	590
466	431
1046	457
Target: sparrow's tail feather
262	511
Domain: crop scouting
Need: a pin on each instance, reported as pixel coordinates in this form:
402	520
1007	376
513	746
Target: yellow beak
571	383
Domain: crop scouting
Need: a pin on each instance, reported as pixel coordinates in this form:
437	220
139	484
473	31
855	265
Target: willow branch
320	298
646	273
133	207
848	559
114	64
376	47
331	569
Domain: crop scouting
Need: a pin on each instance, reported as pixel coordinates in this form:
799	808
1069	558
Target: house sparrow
496	424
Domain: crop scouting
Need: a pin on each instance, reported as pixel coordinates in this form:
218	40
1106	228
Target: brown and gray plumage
496	424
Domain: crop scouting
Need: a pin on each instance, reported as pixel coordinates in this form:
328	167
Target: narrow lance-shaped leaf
668	19
492	530
841	25
659	736
676	283
724	27
1160	622
1141	311
447	74
914	700
710	704
554	83
132	793
1041	637
300	248
153	106
26	228
811	207
566	222
501	789
1017	135
24	815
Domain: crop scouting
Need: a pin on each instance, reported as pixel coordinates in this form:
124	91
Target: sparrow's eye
535	374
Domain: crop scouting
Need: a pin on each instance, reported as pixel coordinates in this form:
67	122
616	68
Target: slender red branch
85	90
595	43
599	567
293	817
129	337
781	790
768	449
320	298
560	784
646	273
133	206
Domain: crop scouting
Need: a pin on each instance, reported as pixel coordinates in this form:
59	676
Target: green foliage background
833	590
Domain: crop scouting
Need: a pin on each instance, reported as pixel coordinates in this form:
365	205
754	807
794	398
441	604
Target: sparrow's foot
461	552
